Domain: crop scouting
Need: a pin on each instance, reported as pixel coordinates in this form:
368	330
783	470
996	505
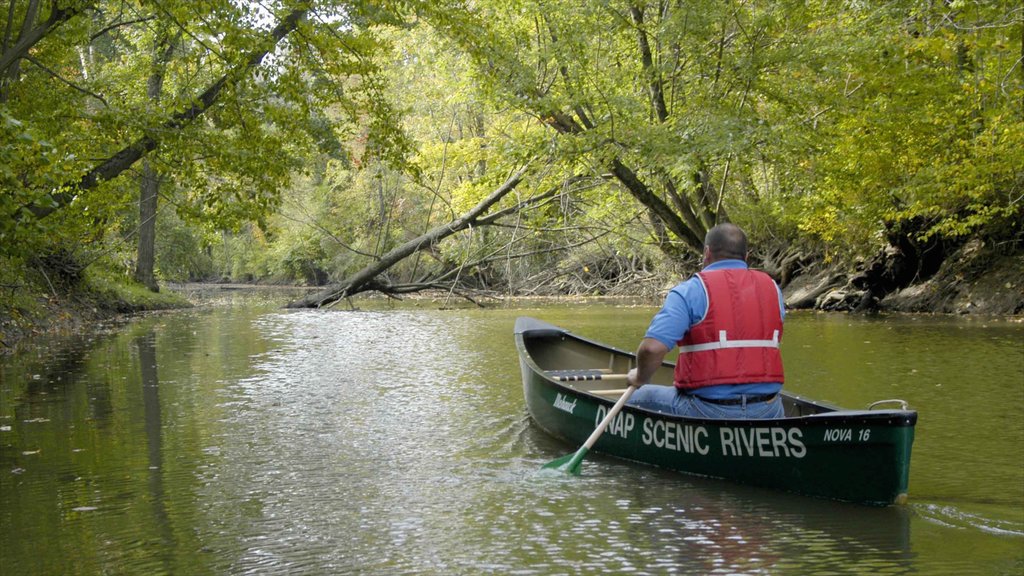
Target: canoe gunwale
530	328
820	450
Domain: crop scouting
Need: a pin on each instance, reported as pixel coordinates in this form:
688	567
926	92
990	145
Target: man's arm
649	355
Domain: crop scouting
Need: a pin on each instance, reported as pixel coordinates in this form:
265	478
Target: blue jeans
667	399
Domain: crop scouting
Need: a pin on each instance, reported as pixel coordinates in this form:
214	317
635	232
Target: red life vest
737	342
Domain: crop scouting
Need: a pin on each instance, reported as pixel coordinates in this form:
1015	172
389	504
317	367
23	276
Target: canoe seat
583	375
610	392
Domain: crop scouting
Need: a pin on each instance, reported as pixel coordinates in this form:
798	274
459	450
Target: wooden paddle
572	463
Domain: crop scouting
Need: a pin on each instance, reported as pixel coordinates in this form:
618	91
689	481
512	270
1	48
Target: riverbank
34	303
975	278
975	281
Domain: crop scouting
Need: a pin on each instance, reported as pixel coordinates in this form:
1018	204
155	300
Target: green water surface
249	439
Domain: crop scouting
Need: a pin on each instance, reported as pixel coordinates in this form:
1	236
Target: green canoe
860	456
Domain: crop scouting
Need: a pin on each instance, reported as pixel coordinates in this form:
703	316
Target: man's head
724	242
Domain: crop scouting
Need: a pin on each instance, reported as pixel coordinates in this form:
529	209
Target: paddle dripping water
248	439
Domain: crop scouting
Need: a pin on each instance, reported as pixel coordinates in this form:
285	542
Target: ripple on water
397	442
956	517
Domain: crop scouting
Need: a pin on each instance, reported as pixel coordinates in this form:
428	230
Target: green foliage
815	120
81	97
820	122
181	251
932	131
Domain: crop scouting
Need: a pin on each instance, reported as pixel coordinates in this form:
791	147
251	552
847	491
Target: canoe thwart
903	403
611	392
583	375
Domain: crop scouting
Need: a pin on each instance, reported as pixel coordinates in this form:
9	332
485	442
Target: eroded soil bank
974	278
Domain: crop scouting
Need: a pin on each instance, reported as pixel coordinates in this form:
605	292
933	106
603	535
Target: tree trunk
10	62
149	184
149	190
30	36
659	207
364	279
693	230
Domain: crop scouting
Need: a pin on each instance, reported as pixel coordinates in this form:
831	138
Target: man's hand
631	380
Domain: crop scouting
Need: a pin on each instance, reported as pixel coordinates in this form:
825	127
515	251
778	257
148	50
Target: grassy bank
36	300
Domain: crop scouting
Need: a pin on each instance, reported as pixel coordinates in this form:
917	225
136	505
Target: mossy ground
33	301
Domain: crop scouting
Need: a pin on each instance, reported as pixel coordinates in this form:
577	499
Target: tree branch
115	25
26	41
127	156
365	278
57	77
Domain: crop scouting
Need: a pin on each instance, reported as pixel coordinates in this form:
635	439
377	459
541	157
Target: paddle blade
570	463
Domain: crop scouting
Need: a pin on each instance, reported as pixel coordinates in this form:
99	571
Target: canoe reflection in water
742	529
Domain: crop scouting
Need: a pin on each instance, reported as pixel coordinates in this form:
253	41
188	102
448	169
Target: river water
248	439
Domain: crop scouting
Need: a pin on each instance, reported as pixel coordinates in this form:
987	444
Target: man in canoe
727	322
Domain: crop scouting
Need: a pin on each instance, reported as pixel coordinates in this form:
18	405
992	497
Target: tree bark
30	36
149	184
145	262
11	65
672	220
365	279
647	61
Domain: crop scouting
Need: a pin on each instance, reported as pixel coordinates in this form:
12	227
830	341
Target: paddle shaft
608	418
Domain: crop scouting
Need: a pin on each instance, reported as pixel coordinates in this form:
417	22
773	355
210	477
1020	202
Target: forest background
873	151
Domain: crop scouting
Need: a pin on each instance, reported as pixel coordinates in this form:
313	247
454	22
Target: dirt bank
31	309
974	278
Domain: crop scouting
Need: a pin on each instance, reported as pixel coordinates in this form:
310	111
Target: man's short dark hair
726	241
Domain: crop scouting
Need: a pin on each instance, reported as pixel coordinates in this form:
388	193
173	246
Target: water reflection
254	440
657	522
146	346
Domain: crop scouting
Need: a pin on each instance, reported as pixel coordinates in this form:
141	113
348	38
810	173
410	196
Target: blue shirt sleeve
685	305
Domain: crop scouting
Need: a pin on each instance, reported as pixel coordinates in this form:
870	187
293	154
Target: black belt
750	399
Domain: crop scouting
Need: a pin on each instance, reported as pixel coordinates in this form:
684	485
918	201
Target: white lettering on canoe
563	404
674	436
838	435
620	426
762	442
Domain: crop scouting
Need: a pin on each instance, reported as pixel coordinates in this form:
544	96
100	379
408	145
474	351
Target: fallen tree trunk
365	279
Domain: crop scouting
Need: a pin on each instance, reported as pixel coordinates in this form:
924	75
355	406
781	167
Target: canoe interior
554	351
